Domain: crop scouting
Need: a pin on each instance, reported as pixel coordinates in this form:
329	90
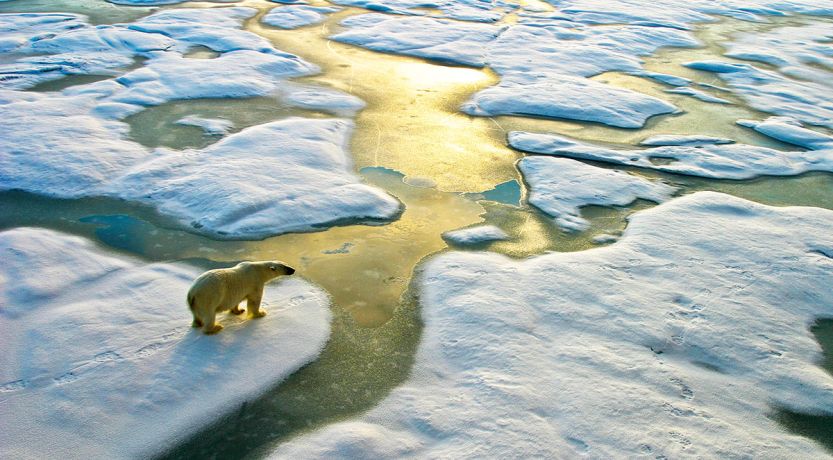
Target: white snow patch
773	92
294	16
541	68
211	126
560	187
790	130
694	139
697	94
734	161
99	359
475	235
676	341
286	176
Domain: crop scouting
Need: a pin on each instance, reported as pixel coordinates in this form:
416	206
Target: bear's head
277	269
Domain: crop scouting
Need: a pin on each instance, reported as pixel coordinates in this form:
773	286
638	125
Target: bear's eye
274	268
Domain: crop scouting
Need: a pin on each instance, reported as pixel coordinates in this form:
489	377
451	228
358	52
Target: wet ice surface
99	359
560	186
611	352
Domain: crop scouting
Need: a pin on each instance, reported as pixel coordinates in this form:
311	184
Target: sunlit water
448	169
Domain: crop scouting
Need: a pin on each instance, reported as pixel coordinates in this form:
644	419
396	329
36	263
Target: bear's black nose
290	270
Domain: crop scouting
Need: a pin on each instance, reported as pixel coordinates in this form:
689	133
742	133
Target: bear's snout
290	270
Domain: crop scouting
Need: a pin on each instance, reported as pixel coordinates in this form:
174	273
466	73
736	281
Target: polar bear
224	289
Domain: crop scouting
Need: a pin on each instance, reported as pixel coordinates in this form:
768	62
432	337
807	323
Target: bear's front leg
253	305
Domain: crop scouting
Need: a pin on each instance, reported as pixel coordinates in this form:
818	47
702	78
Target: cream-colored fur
223	289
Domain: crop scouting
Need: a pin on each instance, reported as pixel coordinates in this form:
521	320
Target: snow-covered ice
694	139
73	144
676	341
791	131
475	235
461	10
286	176
697	94
534	62
560	187
732	161
99	359
211	126
294	16
578	99
770	91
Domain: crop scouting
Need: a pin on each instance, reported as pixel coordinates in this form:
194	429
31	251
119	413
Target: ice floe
676	341
733	161
461	10
541	68
74	143
790	130
99	359
772	92
286	176
211	126
695	139
560	187
294	16
697	94
475	235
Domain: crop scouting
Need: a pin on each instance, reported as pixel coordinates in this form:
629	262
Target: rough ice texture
73	144
676	341
542	68
475	235
734	161
789	130
769	91
286	176
695	139
672	80
560	187
294	16
211	126
99	359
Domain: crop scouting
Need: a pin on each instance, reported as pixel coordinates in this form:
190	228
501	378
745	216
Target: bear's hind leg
210	327
236	310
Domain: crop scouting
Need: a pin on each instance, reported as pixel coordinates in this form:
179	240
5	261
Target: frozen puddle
100	360
675	341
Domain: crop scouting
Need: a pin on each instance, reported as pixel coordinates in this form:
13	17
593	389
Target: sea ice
733	161
211	126
99	359
294	16
536	63
676	341
560	187
789	130
475	235
286	176
697	94
74	143
773	92
695	139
